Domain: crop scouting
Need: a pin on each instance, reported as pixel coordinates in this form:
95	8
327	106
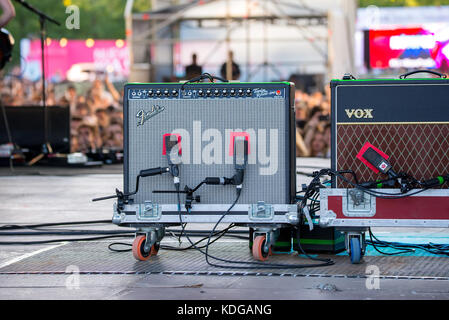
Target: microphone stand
46	147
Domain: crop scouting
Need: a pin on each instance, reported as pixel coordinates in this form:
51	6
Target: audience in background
312	113
97	117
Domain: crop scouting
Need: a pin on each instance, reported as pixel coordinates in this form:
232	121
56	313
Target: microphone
240	162
173	151
240	159
240	153
376	160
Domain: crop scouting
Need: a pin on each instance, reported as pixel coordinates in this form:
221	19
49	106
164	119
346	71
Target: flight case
408	120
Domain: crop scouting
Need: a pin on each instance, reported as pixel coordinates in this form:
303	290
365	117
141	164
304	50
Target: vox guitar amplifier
384	130
408	119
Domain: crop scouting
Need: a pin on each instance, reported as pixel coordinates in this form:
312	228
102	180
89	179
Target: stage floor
46	271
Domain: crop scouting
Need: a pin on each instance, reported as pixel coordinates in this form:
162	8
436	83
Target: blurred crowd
97	115
313	128
96	112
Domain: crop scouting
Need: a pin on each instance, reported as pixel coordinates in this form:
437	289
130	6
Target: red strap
363	150
238	134
164	149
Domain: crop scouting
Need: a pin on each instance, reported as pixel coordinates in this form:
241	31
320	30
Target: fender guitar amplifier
206	119
408	119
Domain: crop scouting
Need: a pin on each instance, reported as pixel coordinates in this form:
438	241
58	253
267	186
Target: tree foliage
103	19
99	19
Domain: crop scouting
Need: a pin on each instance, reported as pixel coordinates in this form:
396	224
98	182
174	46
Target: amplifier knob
232	92
208	92
240	92
224	92
216	92
166	92
200	93
158	92
174	93
150	92
248	92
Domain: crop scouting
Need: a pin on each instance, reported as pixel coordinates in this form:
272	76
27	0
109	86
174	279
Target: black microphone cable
246	264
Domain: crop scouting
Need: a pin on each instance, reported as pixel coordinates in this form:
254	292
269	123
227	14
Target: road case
408	120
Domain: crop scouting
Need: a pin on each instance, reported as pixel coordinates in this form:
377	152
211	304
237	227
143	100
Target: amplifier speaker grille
421	150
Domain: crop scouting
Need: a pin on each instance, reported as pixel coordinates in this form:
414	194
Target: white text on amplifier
206	147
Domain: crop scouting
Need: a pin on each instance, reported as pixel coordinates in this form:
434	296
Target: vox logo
359	113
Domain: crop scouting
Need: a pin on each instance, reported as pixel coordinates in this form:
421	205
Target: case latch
357	203
261	210
149	210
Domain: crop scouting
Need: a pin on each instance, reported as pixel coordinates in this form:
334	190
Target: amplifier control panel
205	92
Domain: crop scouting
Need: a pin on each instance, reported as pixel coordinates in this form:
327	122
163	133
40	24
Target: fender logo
145	116
359	113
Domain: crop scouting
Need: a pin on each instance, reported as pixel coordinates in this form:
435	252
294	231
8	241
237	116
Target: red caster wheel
155	249
259	252
138	249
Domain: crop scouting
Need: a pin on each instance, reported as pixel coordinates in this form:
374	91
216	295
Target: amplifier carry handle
405	75
202	77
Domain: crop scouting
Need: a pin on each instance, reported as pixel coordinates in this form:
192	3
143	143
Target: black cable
302	173
63	240
15	226
247	264
73	239
183	226
310	193
220	234
38	231
325	262
121	244
41	227
376	245
437	249
65	233
378	194
203	76
354	175
107	233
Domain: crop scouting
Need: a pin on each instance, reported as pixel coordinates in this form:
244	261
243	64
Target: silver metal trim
192	218
326	218
206	213
216	209
388	223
